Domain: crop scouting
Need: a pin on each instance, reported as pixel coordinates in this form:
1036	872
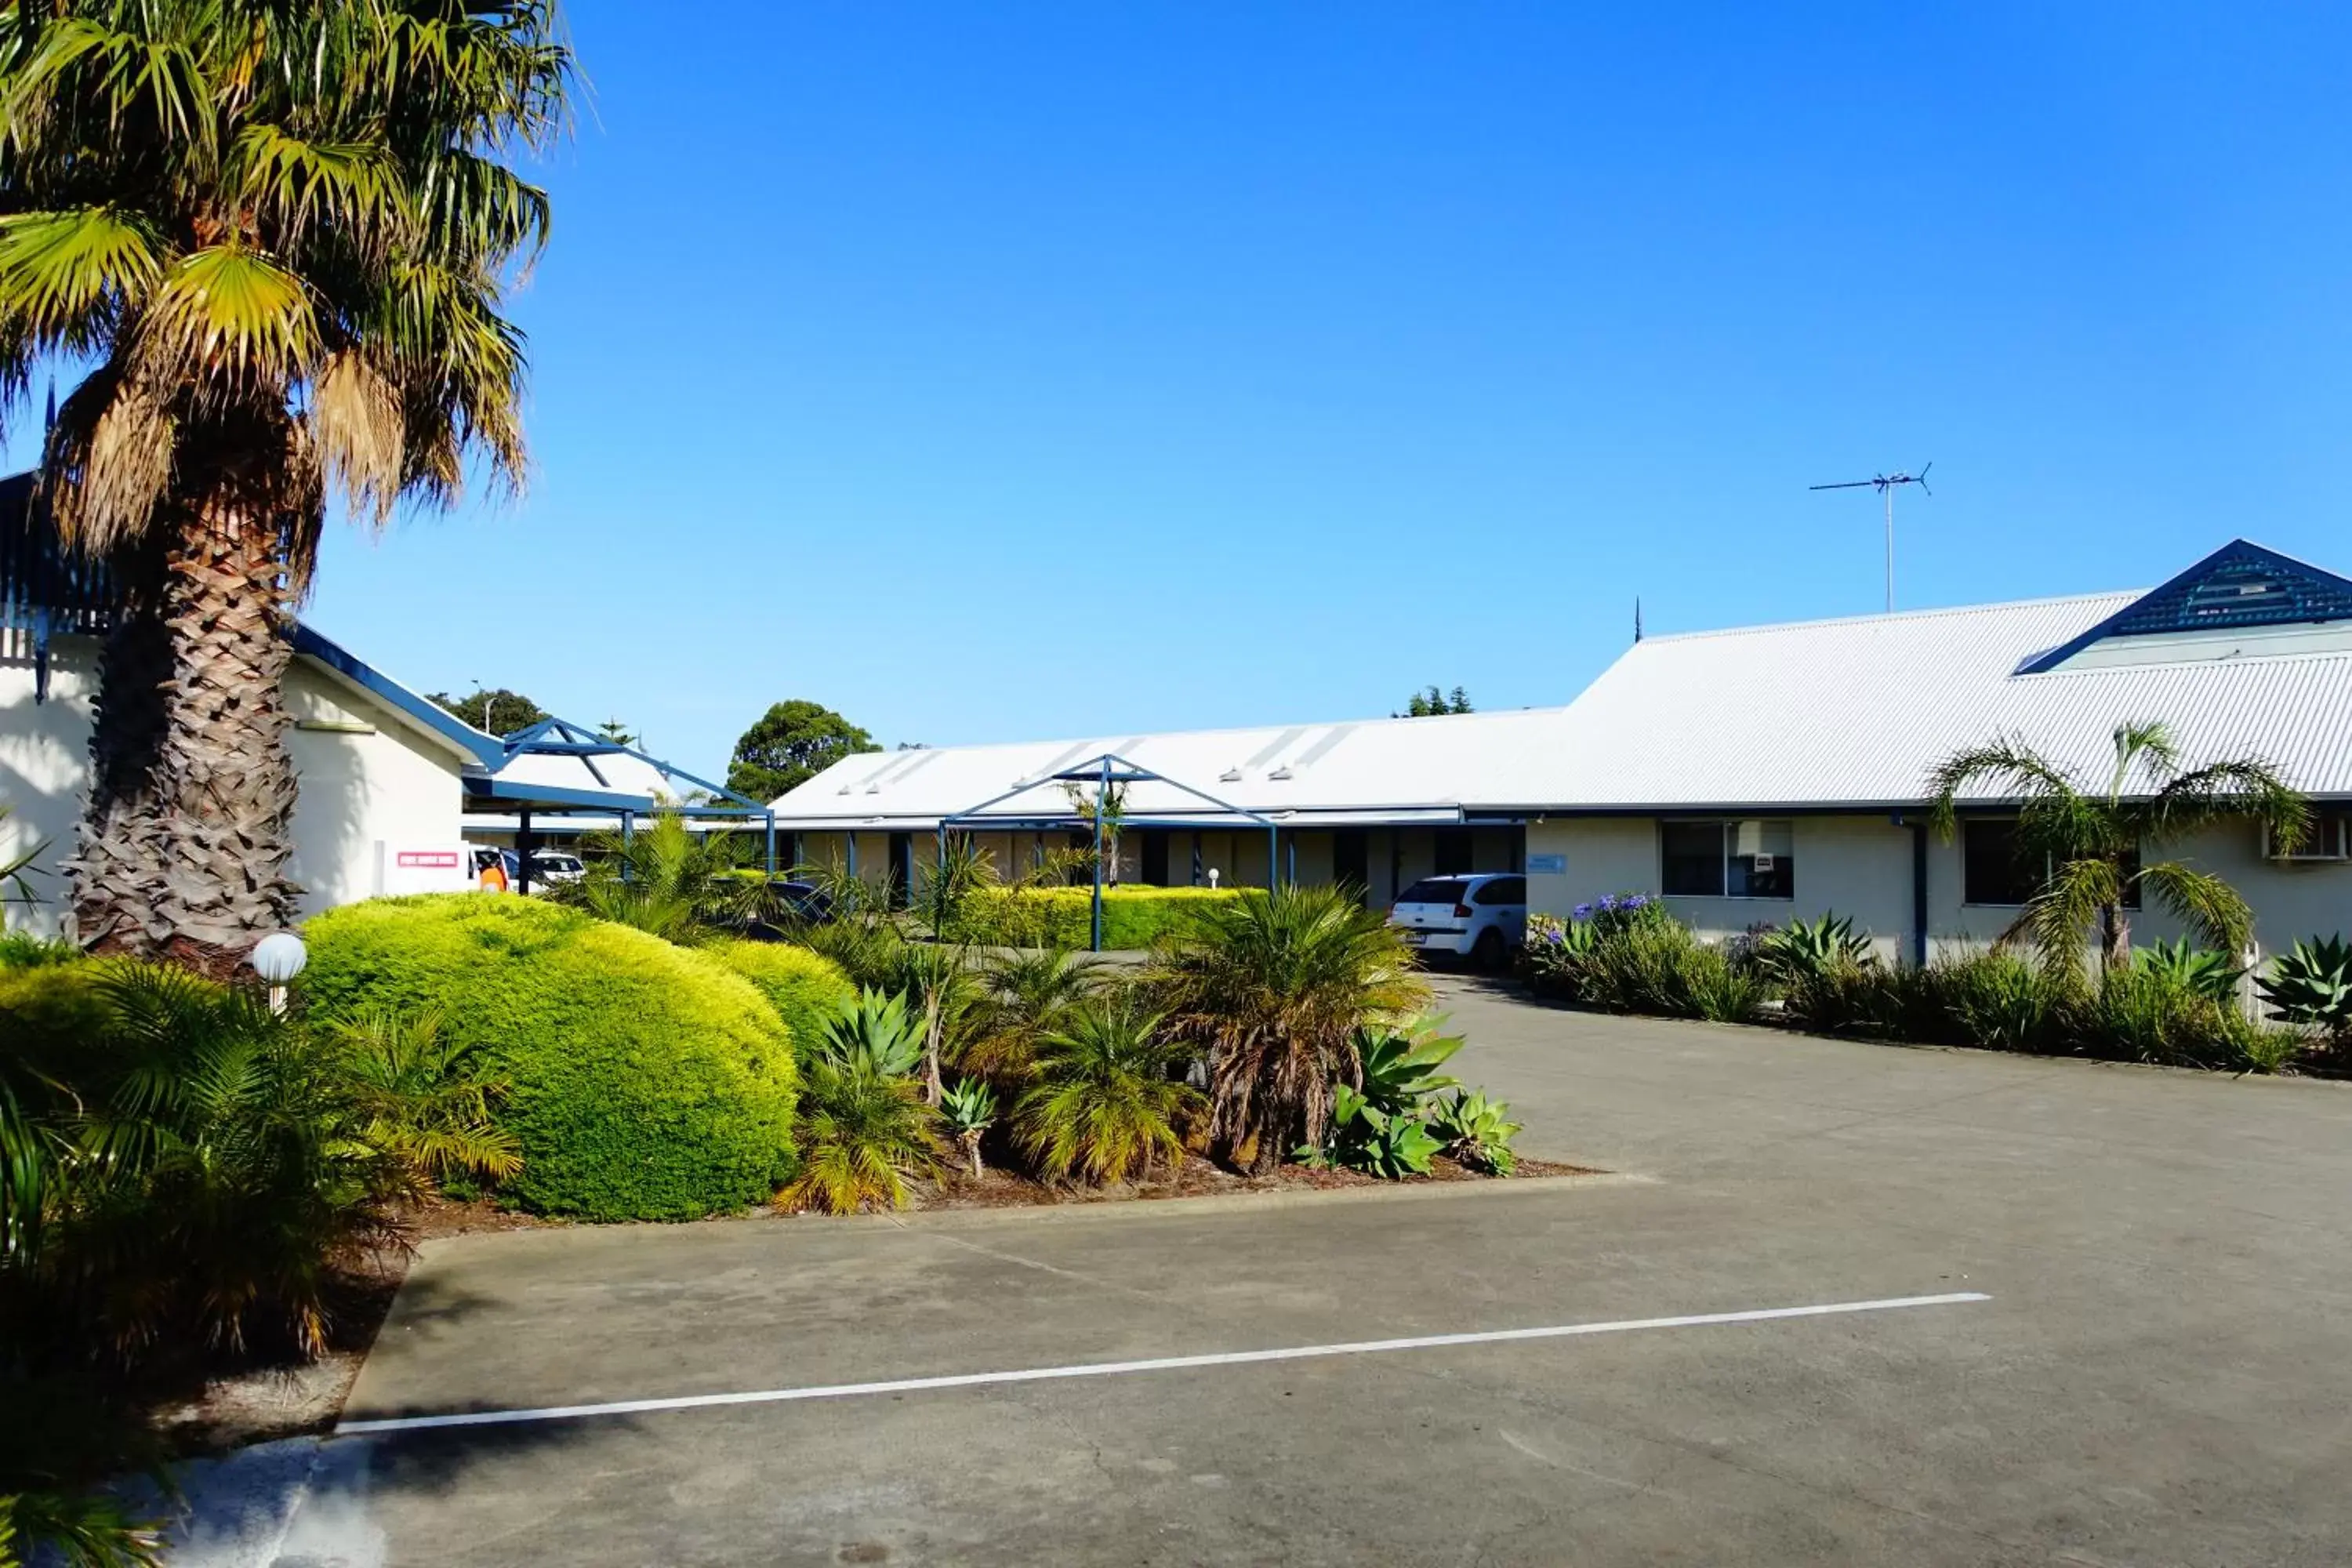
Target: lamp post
277	958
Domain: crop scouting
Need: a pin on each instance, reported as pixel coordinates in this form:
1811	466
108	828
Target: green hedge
645	1081
49	1015
1063	917
805	988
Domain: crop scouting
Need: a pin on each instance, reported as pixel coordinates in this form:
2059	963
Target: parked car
1480	916
553	866
791	903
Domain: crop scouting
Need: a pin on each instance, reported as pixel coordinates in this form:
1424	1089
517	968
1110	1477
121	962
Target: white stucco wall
374	780
1861	867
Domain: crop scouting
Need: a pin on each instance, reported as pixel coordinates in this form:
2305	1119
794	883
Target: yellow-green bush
805	988
50	1013
1063	917
644	1080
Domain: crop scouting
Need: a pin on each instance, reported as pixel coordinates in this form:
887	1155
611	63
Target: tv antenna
1886	485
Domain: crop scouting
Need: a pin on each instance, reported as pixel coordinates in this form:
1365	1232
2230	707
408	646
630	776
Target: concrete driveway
2162	1373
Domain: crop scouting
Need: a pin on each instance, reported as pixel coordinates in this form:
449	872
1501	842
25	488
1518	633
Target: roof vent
874	789
1280	776
842	790
1231	775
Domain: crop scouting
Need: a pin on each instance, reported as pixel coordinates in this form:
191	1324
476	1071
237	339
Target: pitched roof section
1377	769
2239	587
1858	712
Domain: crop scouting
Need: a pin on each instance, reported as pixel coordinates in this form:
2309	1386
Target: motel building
1750	775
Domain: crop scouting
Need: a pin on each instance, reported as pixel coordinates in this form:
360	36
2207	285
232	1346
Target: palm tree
1109	1098
2091	837
1273	987
1029	993
669	880
280	234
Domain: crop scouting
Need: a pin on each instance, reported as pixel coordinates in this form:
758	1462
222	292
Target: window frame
1725	826
2134	902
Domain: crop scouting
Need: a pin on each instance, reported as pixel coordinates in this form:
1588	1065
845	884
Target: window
1453	851
1994	871
1502	890
1434	890
1991	871
1746	857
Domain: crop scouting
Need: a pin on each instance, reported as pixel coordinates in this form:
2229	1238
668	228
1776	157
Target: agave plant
1802	949
969	1111
1477	1131
1400	1065
2312	983
1364	1137
875	1033
2207	973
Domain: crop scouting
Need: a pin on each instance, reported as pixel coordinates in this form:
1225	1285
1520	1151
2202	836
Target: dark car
790	902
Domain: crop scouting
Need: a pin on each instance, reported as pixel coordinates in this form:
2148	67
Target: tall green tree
277	234
1430	701
497	710
2088	839
791	742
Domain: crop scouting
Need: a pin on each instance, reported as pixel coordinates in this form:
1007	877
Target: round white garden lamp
277	958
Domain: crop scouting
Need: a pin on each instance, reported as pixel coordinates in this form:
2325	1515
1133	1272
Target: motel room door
1351	861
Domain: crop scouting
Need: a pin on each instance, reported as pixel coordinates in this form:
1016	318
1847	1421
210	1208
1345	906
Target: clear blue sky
999	372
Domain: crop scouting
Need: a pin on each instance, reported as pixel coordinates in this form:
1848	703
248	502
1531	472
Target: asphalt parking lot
2159	1371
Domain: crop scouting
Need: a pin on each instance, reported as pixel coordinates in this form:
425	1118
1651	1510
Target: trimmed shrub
806	988
645	1082
1063	917
50	1016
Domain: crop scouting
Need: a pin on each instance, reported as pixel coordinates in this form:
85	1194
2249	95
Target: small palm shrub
1271	988
969	1110
1108	1100
2209	975
1024	995
863	1132
2312	984
644	1080
667	881
805	988
1996	999
1477	1131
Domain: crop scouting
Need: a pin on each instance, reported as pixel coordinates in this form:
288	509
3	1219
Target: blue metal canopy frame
1102	771
565	738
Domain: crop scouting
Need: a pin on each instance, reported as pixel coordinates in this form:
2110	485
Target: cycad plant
1271	987
2092	837
863	1132
274	240
2200	971
667	879
1025	995
1108	1099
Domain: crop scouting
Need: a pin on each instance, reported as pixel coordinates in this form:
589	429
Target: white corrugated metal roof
1820	713
1860	710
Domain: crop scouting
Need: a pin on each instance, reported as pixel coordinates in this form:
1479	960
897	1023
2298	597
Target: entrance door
1155	857
1351	861
902	870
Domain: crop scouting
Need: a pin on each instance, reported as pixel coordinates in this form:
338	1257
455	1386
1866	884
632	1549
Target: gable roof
1857	713
2239	587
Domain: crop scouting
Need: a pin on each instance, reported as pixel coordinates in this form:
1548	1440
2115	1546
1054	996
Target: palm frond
2013	770
2145	745
2058	921
296	185
226	311
2236	790
65	276
2207	905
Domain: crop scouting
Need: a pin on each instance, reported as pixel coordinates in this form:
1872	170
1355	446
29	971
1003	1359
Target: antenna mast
1885	484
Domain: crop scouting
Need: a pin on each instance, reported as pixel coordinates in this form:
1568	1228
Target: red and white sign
428	859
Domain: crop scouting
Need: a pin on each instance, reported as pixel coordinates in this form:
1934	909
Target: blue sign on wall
1547	865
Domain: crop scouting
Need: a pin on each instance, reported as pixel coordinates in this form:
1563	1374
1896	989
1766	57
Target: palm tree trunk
184	848
2114	937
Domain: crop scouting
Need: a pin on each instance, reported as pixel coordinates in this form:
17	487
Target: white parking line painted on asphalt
1157	1363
